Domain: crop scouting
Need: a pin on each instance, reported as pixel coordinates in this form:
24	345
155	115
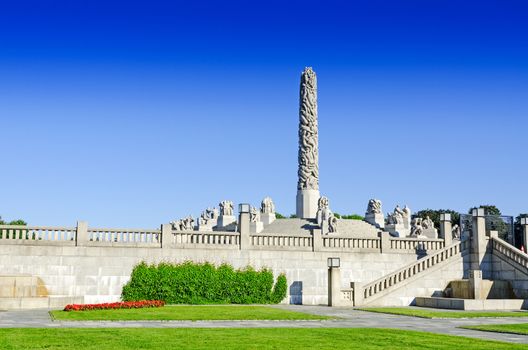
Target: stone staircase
28	292
357	228
385	285
513	255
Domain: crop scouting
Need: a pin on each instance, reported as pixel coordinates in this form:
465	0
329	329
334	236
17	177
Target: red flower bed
117	305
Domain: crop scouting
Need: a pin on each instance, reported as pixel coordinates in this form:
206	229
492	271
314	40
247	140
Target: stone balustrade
82	235
275	240
123	237
415	244
375	288
509	251
11	234
196	239
351	243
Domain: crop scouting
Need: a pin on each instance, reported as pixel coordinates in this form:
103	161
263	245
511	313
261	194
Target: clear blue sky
131	114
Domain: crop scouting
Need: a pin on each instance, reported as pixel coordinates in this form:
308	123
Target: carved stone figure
397	217
177	225
456	231
417	227
267	206
308	135
374	206
332	224
323	212
254	215
427	223
226	208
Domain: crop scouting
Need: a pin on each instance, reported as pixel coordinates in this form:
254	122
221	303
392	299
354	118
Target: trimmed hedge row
192	283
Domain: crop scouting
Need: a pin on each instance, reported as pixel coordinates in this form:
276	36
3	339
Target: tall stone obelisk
308	184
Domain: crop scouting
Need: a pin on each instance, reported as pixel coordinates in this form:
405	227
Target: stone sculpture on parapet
325	218
399	222
227	216
308	171
255	225
267	211
423	227
208	219
374	214
185	224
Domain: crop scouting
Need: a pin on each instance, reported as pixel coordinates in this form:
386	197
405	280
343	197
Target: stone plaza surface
347	318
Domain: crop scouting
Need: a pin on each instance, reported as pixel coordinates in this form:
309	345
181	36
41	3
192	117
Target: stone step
50	302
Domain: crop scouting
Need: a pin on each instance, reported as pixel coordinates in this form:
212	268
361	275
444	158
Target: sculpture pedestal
377	220
397	230
430	233
307	203
225	220
256	227
205	227
267	218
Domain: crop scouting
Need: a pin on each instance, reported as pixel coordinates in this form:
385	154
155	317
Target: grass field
235	338
518	328
187	313
426	313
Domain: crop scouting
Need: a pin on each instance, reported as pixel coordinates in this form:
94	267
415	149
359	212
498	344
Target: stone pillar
357	293
475	284
166	236
376	219
446	231
308	171
334	286
244	230
384	241
317	240
478	239
524	225
82	233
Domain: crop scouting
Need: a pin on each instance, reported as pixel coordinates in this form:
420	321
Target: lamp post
334	281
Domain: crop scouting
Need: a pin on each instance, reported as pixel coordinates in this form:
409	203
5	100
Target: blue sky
131	114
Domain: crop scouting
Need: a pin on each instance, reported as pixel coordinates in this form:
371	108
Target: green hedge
192	283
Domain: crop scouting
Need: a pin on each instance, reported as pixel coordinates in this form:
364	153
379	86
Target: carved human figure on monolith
308	159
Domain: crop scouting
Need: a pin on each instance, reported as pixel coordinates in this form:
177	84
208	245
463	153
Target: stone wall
98	273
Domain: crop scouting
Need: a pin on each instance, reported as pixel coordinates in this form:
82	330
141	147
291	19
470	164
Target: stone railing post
334	282
166	236
357	293
81	236
478	239
244	226
385	245
317	239
446	230
524	224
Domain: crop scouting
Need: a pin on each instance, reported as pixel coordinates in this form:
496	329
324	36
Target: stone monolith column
308	184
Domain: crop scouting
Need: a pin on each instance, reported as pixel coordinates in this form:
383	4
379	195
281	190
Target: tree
279	216
488	209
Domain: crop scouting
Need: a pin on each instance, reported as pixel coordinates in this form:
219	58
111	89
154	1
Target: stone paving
348	318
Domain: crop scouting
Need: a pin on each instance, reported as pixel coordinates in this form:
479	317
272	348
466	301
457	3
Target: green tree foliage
18	222
293	216
279	216
192	283
488	209
349	217
434	214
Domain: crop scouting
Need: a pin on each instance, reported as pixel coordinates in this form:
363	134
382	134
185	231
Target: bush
192	283
352	217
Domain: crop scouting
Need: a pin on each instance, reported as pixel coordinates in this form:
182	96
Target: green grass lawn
235	338
426	313
518	328
187	313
